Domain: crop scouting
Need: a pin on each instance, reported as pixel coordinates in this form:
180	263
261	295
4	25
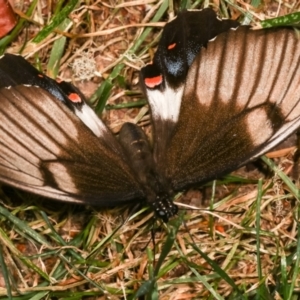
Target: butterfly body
217	102
157	189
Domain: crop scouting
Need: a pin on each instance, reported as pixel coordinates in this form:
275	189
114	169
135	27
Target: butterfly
220	95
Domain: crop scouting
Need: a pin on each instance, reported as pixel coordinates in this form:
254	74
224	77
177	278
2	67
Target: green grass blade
57	51
294	190
287	20
4	272
102	94
56	21
4	42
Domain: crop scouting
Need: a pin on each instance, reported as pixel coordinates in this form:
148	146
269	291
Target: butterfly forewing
46	149
244	91
163	81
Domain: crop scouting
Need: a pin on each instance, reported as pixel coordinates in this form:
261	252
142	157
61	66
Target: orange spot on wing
171	46
74	98
153	81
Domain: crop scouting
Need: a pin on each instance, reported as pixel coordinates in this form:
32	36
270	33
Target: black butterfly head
164	208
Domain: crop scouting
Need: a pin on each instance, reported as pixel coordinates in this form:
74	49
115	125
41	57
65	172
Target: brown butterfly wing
163	80
241	98
46	149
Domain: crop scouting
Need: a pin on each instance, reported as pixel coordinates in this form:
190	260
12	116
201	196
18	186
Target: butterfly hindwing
244	93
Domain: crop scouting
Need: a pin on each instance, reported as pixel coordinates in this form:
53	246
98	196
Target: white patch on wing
165	105
259	126
91	120
62	178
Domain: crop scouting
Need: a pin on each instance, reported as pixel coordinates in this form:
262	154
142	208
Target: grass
243	242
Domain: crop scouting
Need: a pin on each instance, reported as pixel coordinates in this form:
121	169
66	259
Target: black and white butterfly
220	95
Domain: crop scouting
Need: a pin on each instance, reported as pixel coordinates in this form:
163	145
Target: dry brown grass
51	250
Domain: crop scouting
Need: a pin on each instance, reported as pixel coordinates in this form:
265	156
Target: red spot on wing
153	81
41	75
73	97
171	46
58	80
